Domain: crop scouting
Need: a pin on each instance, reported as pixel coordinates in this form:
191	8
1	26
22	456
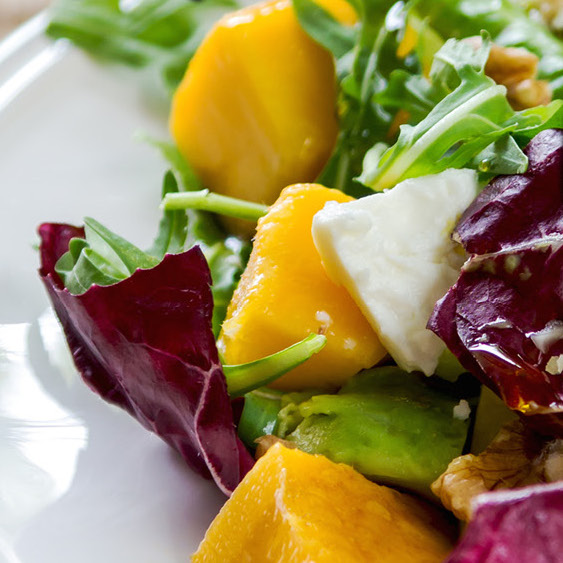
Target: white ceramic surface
80	481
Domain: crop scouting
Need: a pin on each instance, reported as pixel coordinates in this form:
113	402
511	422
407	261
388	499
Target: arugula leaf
172	231
104	258
411	93
187	178
115	249
548	117
502	155
365	55
324	28
101	258
80	268
159	33
506	21
226	255
244	378
469	126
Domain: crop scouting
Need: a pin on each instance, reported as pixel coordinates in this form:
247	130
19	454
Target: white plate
80	481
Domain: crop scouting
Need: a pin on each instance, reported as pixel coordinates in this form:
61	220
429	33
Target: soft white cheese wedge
394	254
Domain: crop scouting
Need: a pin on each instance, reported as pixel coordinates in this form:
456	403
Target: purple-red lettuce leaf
146	344
520	208
503	318
519	525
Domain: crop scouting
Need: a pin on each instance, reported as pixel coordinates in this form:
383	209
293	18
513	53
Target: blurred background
14	12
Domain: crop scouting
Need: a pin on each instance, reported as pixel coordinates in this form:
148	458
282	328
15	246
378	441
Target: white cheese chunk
394	254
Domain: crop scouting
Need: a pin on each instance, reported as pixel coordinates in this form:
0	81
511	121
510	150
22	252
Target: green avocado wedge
389	425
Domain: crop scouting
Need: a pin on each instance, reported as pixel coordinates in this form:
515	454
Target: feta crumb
462	410
544	339
555	365
324	318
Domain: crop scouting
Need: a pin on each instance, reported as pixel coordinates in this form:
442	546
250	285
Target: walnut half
516	68
515	458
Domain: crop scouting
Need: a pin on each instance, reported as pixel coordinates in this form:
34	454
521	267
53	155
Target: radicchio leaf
520	208
503	318
520	525
146	344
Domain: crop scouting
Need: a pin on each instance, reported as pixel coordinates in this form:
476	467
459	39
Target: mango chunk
285	294
256	110
295	507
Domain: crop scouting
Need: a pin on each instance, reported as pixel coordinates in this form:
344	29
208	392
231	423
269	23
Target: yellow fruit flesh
295	507
285	295
256	108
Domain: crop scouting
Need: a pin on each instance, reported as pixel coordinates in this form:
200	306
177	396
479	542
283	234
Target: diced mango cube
285	294
256	110
294	507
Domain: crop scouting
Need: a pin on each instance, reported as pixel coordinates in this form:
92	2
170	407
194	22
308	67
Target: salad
362	316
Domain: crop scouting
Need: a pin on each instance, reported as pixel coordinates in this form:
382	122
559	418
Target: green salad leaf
104	258
365	54
259	415
173	228
163	34
509	25
244	378
469	126
226	255
453	115
337	38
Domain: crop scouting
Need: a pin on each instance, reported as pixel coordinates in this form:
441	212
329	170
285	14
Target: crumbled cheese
323	317
462	410
549	335
555	365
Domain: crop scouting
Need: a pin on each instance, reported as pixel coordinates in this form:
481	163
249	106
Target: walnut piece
551	11
516	68
515	458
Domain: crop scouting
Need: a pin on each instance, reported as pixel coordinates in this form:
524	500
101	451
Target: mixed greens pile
415	99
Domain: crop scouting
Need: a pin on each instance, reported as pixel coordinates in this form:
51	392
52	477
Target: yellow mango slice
294	507
285	294
256	111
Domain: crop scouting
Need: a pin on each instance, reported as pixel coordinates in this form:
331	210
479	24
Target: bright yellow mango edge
256	109
294	507
285	294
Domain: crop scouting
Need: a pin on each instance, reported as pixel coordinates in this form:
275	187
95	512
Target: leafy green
259	415
365	55
548	117
226	255
417	95
163	34
411	93
506	21
459	117
244	378
81	267
215	203
100	259
469	126
324	28
104	258
173	228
